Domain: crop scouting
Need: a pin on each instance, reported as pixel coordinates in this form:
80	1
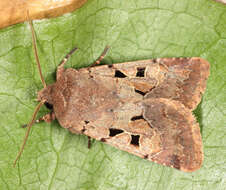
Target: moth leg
60	68
89	142
101	56
48	118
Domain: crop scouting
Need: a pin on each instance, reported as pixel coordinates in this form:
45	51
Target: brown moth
142	107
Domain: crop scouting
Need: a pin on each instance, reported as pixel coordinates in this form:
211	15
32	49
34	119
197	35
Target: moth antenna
28	131
35	49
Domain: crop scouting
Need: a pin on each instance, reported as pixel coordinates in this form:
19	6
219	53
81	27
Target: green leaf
54	158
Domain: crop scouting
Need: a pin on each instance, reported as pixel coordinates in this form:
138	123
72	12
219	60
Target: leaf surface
55	159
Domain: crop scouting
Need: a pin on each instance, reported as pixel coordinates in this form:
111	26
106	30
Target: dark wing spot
110	66
140	92
103	140
140	72
175	161
119	74
146	156
114	132
135	140
137	117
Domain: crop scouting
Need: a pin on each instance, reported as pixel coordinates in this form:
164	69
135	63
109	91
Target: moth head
44	95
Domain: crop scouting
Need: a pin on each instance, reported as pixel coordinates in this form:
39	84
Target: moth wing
166	133
185	81
181	143
141	107
181	79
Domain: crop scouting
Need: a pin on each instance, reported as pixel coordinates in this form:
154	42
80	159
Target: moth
142	107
